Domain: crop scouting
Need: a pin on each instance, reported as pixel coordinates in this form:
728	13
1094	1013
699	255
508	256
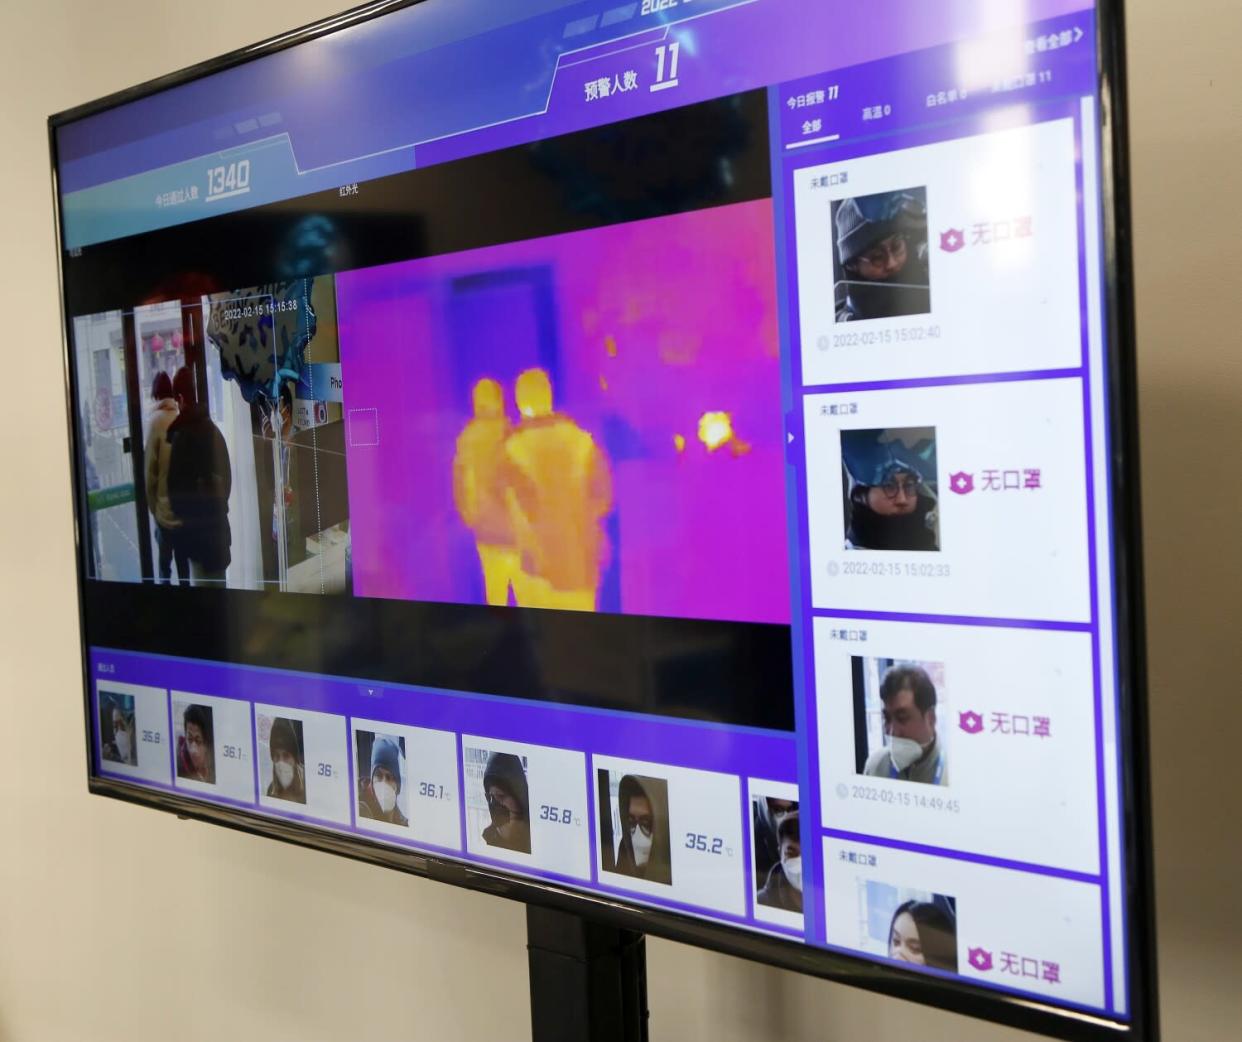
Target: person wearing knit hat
378	799
508	803
891	488
896	510
881	253
288	767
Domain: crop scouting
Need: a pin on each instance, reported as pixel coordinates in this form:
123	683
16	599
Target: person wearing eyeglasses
896	511
508	800
882	253
643	852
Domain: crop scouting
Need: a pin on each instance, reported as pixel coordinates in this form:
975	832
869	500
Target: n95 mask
904	752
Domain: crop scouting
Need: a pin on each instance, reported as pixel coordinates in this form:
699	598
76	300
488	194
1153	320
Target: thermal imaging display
585	422
670	455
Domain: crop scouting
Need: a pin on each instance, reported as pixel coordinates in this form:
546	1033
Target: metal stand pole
588	982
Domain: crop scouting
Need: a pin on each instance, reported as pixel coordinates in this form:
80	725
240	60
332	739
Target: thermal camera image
589	421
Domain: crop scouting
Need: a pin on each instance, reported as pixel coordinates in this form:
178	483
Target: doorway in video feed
588	421
274	362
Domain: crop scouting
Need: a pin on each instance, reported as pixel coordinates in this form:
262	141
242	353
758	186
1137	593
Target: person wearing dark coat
508	803
200	479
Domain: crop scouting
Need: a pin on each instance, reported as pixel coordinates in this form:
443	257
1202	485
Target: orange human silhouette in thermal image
559	491
479	483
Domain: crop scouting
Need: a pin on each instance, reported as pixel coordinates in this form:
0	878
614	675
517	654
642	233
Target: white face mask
642	846
792	867
905	751
284	774
385	795
121	740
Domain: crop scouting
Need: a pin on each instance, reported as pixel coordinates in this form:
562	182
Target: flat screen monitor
669	459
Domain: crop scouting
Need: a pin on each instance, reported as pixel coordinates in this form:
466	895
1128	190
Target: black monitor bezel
951	995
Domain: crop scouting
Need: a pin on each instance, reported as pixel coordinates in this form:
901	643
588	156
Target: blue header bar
441	79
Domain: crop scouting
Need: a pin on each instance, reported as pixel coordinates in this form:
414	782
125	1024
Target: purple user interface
700	468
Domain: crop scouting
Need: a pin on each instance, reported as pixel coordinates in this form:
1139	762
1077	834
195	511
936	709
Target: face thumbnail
286	757
922	927
116	728
897	706
890	489
634	826
196	744
879	254
504	794
382	794
589	421
778	853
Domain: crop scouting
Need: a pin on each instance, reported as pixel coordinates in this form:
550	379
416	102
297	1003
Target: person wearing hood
882	250
896	511
644	848
783	887
158	453
200	479
288	763
508	803
914	752
378	799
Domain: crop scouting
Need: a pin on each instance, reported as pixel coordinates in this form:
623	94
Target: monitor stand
588	982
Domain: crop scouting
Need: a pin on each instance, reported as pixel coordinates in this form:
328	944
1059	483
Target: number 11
673	49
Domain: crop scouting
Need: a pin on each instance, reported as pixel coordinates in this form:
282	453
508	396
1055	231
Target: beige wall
120	923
